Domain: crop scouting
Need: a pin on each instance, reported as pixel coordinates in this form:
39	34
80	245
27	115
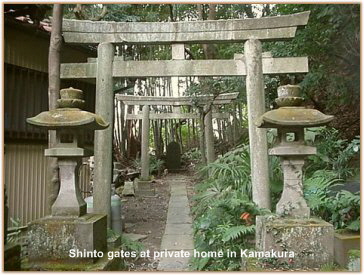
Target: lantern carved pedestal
69	227
292	229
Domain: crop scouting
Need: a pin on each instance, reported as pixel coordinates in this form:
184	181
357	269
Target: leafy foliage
331	40
224	212
333	153
342	209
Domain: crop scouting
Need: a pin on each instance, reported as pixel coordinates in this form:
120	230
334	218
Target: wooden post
103	138
209	137
145	144
257	136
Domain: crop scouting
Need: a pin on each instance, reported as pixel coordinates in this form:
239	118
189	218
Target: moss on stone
354	253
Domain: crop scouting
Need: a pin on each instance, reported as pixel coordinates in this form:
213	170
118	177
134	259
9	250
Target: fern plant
224	212
342	210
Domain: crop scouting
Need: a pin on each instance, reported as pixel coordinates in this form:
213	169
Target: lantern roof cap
68	114
293	116
290	113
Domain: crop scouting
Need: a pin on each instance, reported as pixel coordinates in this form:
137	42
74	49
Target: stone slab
144	188
179	68
174	264
156	116
179	192
179	204
311	240
343	242
178	211
51	238
182	219
171	242
297	19
178	229
128	189
102	264
178	199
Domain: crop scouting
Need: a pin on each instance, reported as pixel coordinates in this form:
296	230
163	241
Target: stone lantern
290	119
69	226
292	229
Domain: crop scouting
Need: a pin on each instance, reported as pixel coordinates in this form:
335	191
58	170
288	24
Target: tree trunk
54	83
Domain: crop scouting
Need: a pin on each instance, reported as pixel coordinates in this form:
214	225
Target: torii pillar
103	139
257	136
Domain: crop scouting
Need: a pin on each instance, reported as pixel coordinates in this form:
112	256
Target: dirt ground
147	216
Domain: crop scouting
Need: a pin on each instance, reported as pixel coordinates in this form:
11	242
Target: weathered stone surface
298	19
311	240
103	139
178	215
257	137
170	242
175	68
102	264
128	189
290	113
292	202
178	229
177	37
155	116
145	145
287	116
280	27
174	264
69	201
173	157
354	264
51	238
69	114
178	234
176	101
209	138
343	243
143	188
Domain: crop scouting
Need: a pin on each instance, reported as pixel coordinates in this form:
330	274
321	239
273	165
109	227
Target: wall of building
25	168
26	95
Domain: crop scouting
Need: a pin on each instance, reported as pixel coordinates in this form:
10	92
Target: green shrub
224	212
342	210
333	153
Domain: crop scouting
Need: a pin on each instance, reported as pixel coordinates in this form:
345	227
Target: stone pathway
178	232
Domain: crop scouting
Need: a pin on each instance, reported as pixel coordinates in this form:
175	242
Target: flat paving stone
182	204
176	199
178	234
172	242
178	229
178	192
128	189
174	264
179	218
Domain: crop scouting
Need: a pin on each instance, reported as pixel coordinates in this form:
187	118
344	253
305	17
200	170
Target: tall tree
54	84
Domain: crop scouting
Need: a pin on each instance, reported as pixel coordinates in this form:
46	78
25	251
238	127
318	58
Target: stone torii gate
253	65
145	116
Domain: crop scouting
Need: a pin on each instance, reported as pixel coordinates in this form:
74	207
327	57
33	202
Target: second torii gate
146	101
253	66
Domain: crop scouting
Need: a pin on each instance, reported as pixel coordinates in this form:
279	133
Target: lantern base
311	240
52	239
